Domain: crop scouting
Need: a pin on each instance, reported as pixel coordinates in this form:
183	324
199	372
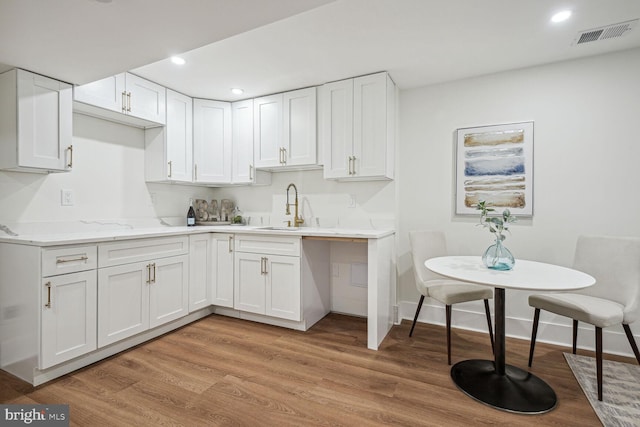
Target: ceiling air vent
603	33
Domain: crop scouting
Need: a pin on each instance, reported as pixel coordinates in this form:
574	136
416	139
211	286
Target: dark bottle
191	217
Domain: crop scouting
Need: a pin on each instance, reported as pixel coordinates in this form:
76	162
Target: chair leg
415	318
599	361
632	341
575	335
534	332
488	312
448	314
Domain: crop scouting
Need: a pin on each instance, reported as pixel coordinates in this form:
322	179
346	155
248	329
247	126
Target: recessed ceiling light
561	16
237	91
177	60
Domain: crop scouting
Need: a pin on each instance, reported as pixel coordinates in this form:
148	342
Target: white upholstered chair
431	244
615	264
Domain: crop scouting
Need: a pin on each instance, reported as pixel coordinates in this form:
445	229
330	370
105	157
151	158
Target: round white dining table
494	382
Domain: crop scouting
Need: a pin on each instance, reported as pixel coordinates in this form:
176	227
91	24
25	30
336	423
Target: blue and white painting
495	164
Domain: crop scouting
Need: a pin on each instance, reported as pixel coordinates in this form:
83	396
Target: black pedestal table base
516	390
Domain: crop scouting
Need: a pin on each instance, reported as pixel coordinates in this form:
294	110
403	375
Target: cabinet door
370	125
145	99
299	127
107	93
249	282
283	287
45	114
222	270
169	290
179	137
200	264
123	301
212	141
242	141
337	133
69	314
267	131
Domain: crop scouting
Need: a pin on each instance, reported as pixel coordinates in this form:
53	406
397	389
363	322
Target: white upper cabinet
267	131
36	123
359	128
337	132
212	141
109	93
124	98
299	127
243	170
169	149
285	130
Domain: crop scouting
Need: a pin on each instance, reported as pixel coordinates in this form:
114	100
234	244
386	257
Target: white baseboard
614	339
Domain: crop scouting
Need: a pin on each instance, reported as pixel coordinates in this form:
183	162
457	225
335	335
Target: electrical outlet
67	198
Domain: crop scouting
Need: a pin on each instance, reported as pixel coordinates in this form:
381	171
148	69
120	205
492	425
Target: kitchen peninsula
96	292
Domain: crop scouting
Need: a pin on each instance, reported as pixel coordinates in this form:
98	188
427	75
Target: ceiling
269	46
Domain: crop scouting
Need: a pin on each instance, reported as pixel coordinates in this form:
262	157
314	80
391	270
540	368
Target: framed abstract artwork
495	164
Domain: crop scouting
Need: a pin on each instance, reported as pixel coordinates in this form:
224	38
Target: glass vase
498	257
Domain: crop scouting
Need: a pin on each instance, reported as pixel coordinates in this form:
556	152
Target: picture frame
495	164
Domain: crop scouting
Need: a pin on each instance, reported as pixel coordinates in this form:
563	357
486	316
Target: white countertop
95	236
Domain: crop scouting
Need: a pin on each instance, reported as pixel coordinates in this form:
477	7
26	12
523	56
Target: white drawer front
71	259
274	245
126	252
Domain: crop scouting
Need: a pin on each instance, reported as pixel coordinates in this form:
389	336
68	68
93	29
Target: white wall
322	202
107	181
586	153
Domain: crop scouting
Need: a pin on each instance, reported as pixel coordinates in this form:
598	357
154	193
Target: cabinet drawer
71	259
125	252
274	245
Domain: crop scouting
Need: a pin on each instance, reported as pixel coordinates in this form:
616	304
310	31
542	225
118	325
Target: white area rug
620	404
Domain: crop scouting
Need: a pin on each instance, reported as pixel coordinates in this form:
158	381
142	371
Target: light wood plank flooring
225	371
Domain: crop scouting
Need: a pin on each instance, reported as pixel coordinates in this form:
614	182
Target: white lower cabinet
69	312
222	255
200	265
148	287
267	283
68	303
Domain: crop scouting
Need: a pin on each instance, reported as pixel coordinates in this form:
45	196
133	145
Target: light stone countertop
97	236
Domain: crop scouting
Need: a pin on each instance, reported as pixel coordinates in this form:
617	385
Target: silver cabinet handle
352	165
154	272
128	102
230	247
170	168
250	172
195	174
48	285
124	102
70	148
148	273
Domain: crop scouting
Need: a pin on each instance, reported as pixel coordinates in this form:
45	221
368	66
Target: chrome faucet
297	221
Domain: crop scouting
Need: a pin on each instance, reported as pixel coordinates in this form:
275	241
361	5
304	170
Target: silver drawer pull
62	261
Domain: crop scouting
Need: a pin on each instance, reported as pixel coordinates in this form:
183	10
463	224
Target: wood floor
224	371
